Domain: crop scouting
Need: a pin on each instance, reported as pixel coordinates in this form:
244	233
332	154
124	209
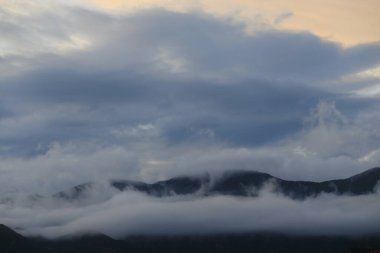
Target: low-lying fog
131	213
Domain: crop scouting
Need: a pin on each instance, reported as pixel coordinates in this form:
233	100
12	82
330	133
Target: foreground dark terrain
12	242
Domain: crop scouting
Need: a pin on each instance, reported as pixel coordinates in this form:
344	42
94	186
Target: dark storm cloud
72	106
247	113
67	85
244	113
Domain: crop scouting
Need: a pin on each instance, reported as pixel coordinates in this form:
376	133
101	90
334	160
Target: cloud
329	148
61	167
223	50
155	42
130	213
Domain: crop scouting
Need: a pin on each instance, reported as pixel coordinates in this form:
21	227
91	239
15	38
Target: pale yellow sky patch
130	6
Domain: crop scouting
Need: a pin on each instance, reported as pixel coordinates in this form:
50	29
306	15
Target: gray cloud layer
162	80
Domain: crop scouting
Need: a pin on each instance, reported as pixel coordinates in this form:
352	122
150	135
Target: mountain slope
12	242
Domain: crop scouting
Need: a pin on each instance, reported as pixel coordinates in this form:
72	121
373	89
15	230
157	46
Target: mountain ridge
241	183
237	183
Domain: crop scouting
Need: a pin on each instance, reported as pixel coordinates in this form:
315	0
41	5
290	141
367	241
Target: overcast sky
144	90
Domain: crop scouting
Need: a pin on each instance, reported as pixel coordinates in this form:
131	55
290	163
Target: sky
146	90
149	90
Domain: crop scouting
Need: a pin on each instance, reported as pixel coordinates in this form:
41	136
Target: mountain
76	192
239	183
231	183
174	186
12	242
